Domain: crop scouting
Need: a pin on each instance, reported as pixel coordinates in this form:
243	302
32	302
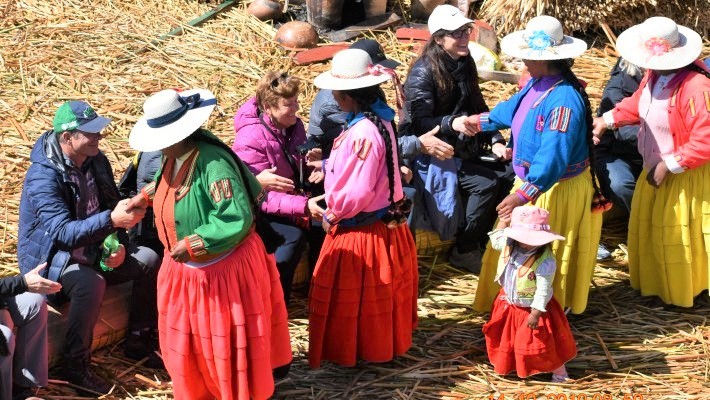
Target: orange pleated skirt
223	327
363	296
513	347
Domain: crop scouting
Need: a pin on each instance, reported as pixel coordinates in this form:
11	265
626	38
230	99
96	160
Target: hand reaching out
128	212
503	152
37	284
270	181
434	146
598	128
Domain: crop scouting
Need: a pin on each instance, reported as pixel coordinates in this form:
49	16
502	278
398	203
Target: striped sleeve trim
362	148
559	119
483	119
220	190
148	191
195	246
529	191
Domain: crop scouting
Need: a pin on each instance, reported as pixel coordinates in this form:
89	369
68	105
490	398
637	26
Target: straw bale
66	49
584	15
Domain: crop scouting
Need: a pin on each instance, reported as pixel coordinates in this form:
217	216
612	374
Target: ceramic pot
297	35
265	9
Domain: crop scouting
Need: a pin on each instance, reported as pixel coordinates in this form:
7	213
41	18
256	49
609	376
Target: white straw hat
351	69
446	17
659	43
542	39
169	117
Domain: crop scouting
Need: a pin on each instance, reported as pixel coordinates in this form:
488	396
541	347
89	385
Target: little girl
527	332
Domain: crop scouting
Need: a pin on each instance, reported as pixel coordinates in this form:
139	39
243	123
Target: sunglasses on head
461	32
275	81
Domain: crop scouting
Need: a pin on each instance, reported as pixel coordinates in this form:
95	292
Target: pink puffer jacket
259	150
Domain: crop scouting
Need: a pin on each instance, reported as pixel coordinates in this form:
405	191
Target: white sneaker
603	253
559	378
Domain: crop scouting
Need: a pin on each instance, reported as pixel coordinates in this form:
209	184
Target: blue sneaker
603	253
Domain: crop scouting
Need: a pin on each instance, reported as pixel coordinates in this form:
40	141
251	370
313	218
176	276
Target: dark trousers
482	186
84	286
289	253
617	174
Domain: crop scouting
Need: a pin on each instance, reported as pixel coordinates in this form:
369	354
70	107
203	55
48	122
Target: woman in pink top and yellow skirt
670	220
363	296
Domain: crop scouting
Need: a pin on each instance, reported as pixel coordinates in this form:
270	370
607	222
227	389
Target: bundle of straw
581	15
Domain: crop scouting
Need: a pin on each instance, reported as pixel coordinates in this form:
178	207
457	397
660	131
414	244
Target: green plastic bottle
109	247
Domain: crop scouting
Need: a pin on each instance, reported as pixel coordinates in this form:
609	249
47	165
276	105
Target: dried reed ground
55	51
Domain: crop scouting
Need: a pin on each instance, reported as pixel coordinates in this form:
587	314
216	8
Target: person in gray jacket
23	334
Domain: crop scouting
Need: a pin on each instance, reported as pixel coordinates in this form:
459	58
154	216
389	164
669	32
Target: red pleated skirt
512	346
223	327
363	296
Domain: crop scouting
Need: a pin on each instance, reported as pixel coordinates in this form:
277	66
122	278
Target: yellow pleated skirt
669	236
570	205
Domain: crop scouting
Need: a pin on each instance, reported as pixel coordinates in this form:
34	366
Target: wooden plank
502	76
370	24
405	33
318	54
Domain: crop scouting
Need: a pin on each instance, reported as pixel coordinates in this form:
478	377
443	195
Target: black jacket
427	107
621	141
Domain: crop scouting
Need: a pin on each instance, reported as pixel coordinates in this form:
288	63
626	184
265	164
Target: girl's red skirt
363	296
223	327
512	346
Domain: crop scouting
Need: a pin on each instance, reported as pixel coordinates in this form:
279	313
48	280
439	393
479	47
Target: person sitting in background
69	205
618	163
441	91
23	334
267	135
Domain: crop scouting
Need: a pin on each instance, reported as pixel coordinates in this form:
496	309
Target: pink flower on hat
658	46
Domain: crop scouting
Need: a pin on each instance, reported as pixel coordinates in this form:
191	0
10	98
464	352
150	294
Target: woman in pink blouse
364	287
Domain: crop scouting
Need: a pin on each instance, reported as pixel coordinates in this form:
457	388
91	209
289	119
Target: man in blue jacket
69	205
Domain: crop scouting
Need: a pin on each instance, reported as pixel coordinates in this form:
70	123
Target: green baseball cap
78	115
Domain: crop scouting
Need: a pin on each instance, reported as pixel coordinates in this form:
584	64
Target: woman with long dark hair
363	298
442	90
551	146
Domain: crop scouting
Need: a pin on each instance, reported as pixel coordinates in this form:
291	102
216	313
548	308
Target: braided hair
565	66
364	97
695	68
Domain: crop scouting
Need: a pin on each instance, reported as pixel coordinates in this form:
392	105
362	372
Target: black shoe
281	372
85	378
140	346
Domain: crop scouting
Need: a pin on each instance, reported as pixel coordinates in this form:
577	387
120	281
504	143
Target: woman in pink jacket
268	133
669	223
363	299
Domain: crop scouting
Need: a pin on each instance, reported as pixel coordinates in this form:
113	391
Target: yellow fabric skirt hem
569	203
669	236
